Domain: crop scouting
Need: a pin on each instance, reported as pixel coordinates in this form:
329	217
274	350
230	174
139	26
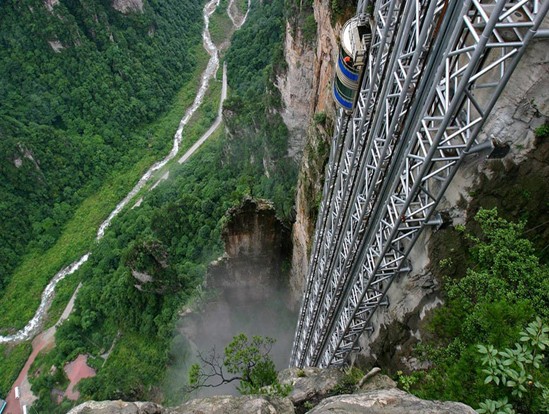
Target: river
34	326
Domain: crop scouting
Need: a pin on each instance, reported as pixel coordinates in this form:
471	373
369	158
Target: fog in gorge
246	291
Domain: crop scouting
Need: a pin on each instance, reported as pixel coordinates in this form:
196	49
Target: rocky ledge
312	386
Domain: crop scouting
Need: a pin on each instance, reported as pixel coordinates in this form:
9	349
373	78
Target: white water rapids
33	327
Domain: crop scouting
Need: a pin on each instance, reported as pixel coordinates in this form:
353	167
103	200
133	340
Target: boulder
387	401
117	407
310	383
377	382
229	404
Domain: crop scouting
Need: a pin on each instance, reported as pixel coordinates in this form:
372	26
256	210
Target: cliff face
257	248
305	86
295	87
317	76
246	289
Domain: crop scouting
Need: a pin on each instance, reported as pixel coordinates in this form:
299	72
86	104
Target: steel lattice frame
406	140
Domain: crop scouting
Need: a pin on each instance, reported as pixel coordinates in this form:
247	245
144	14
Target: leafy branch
245	360
517	369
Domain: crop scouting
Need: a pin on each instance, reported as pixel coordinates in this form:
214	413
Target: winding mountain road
214	126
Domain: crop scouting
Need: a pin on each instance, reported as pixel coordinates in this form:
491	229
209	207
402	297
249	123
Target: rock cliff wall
305	85
246	288
257	251
295	87
315	120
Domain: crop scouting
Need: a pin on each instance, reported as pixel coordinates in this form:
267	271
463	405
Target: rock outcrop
310	383
311	386
50	4
390	401
249	404
118	407
247	288
295	87
128	6
257	245
315	154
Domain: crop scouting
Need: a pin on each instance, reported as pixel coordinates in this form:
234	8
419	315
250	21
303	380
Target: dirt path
42	342
214	126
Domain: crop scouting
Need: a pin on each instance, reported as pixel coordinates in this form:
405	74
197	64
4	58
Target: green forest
80	83
175	232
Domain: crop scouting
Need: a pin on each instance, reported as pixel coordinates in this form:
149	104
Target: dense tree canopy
153	258
79	81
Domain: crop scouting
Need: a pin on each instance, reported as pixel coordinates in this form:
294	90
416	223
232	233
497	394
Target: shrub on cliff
245	360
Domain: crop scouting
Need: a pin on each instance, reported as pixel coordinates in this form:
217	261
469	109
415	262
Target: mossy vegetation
349	381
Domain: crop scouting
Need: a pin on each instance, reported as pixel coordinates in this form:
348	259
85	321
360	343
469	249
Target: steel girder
338	175
406	142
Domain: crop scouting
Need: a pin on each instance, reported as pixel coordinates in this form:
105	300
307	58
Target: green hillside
80	83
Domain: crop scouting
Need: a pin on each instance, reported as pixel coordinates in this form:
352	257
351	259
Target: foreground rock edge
312	386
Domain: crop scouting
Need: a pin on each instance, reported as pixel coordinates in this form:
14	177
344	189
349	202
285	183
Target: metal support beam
434	72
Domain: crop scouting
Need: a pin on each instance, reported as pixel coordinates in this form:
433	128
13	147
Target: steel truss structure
434	72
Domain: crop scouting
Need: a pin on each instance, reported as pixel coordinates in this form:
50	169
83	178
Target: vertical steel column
336	193
407	140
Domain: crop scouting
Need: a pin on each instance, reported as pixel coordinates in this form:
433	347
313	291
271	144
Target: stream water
34	325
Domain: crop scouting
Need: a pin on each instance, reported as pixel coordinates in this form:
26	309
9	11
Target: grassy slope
12	359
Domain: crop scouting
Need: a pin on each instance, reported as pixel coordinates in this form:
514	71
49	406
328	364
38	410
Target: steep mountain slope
80	79
152	258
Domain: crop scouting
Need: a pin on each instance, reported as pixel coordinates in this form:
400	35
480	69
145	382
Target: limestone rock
310	383
295	87
385	401
128	6
391	401
50	4
228	404
117	407
56	45
377	382
315	153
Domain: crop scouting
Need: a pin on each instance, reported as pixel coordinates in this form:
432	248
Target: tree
245	360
